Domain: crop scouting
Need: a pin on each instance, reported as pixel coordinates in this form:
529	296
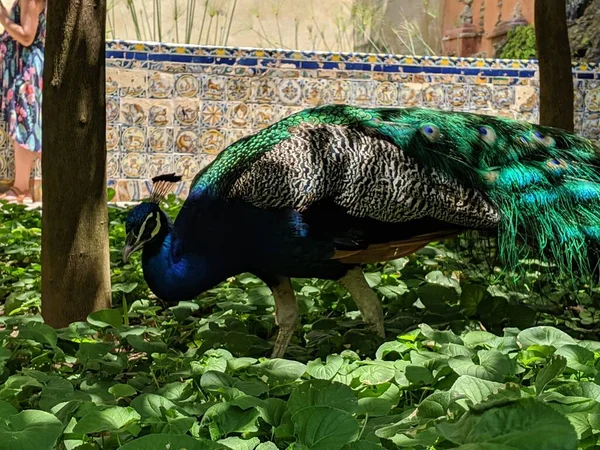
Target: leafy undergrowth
493	369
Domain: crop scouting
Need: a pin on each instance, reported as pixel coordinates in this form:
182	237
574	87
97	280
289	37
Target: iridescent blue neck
173	276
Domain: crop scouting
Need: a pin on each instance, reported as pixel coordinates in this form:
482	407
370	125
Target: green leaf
470	297
231	419
493	365
436	297
272	411
486	447
5	354
544	336
525	424
578	358
475	389
91	351
475	339
550	372
151	405
267	446
327	371
379	400
390	347
126	288
184	310
324	428
30	429
114	420
418	375
236	443
177	391
213	380
282	370
122	390
453	350
106	318
362	445
151	345
373	374
39	332
436	405
440	337
171	442
6	409
322	393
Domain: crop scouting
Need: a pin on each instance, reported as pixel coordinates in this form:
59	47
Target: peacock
326	189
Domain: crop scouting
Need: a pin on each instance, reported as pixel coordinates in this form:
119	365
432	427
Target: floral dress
21	88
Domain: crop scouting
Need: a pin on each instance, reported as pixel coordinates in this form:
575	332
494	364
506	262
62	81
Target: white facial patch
153	233
156	228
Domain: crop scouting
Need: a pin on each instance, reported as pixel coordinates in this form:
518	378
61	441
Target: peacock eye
547	141
431	132
557	164
487	134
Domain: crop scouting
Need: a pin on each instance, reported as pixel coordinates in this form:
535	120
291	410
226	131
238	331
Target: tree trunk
554	56
75	254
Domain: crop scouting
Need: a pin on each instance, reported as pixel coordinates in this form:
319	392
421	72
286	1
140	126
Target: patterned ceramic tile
186	112
186	140
133	112
113	137
187	85
132	83
160	113
213	114
160	85
133	139
175	107
187	166
134	165
240	115
212	141
160	139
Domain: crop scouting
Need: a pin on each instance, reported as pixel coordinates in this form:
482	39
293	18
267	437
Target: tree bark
554	57
75	253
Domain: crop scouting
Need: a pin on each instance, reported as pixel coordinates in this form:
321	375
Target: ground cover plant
474	359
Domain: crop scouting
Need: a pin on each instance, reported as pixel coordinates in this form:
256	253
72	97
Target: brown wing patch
392	250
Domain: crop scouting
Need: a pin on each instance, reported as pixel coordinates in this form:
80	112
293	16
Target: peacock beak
131	245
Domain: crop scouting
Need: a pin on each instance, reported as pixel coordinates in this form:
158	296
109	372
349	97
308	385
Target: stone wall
174	108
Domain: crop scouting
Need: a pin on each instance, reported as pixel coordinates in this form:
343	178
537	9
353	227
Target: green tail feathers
544	182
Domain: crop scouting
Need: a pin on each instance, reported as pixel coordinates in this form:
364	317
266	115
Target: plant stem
203	21
176	12
364	426
134	19
231	14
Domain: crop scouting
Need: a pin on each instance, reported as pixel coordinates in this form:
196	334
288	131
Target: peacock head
146	222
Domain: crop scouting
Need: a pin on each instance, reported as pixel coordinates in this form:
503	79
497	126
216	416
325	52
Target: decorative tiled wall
173	108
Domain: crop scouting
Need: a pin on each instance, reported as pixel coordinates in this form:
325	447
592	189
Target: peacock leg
286	313
365	298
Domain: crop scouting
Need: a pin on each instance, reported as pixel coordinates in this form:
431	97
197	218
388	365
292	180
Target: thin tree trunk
554	56
75	255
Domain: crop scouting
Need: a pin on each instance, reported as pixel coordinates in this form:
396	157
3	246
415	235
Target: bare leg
366	300
23	164
286	313
19	192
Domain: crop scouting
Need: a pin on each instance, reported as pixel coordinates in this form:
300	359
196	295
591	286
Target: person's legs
23	164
